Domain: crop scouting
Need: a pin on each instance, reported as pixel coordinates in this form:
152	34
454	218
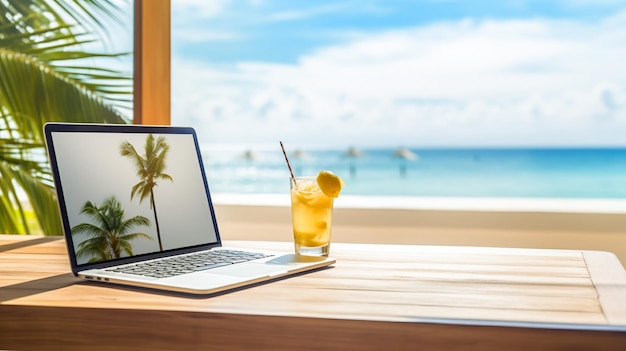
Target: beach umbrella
353	153
249	156
404	155
301	155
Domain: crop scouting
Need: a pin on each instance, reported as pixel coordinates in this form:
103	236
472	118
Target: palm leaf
17	163
36	89
45	75
89	230
12	219
137	221
29	14
43	200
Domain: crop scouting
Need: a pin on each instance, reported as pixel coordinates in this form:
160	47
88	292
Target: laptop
136	210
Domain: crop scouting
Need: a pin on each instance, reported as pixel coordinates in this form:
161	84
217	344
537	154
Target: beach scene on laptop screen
130	194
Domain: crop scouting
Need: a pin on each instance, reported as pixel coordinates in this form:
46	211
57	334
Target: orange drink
312	215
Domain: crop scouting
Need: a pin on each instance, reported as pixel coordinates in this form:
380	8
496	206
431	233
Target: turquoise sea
445	172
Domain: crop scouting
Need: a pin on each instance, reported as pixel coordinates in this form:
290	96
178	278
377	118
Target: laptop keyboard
178	265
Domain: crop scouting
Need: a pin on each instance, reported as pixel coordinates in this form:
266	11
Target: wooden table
376	297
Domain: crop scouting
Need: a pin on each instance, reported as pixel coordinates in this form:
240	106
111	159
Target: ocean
577	173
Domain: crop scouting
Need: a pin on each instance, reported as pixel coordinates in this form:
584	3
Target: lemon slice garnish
329	183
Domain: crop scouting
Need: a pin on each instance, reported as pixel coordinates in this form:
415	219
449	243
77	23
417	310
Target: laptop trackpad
249	270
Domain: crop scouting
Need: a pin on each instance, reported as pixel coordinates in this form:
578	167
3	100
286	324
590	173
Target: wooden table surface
376	297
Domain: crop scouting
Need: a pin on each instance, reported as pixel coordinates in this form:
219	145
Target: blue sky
415	73
282	31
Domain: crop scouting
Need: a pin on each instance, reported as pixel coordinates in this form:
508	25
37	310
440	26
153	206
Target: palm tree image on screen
111	235
150	170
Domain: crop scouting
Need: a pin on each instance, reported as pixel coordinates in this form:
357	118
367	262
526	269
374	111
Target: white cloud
491	82
194	36
198	8
190	19
291	15
594	3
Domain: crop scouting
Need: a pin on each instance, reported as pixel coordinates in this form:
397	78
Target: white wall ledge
551	205
594	224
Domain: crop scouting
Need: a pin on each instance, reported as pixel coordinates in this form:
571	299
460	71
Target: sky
387	73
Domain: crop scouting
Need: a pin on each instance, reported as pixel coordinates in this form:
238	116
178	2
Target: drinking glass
312	214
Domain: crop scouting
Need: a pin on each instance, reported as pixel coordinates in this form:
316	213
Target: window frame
152	56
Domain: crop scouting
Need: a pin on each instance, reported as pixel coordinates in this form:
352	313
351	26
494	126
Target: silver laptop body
136	210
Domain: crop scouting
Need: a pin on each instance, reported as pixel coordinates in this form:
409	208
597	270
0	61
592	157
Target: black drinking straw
288	165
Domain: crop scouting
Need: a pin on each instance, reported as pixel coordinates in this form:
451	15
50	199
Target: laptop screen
129	191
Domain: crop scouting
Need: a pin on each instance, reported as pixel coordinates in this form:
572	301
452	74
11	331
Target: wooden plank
609	282
48	328
292	298
152	62
14	242
344	282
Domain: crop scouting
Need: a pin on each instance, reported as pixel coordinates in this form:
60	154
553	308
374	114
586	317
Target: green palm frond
27	184
128	150
42	198
32	93
130	224
89	230
94	248
46	75
132	236
12	218
104	217
35	89
30	14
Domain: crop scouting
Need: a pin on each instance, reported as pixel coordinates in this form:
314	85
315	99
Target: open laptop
136	210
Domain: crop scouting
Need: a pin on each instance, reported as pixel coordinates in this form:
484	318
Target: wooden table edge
102	328
612	297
